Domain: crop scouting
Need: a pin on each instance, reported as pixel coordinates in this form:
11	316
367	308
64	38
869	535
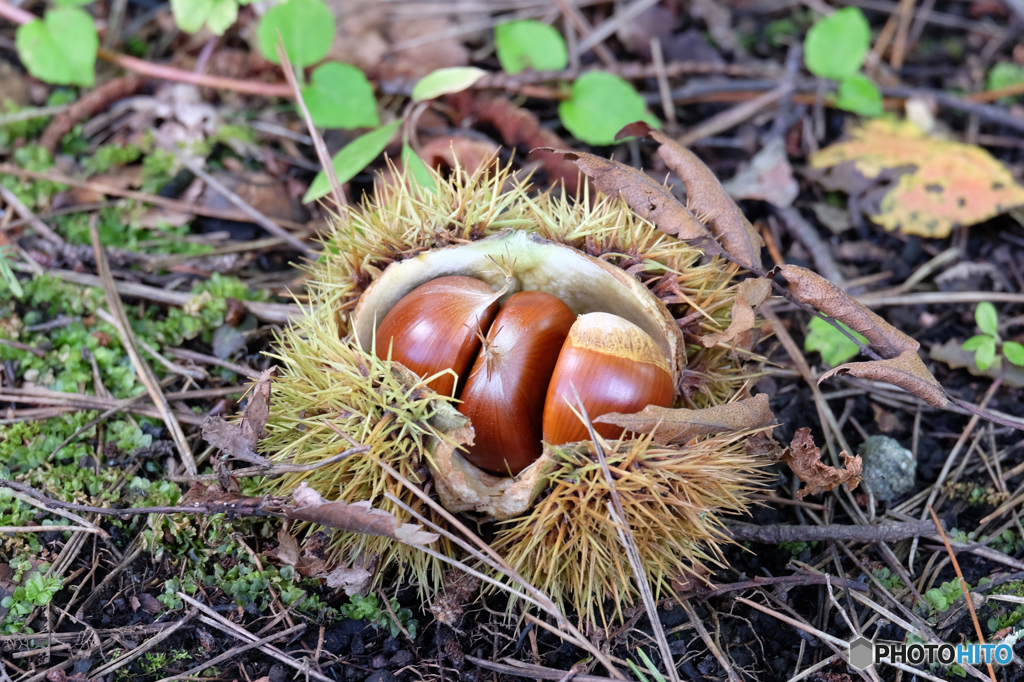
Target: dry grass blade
231	653
618	515
318	141
497	562
214	619
130	656
142	368
254	215
963	587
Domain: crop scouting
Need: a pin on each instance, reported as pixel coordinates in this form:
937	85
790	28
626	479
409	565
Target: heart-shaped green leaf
1014	352
601	104
836	46
529	44
340	96
306	26
858	94
61	47
353	157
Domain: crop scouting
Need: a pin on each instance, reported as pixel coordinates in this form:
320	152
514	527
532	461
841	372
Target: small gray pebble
402	659
889	468
378	661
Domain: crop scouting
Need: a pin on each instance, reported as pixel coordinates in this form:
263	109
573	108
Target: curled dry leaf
706	197
667	425
901	367
358	517
906	371
752	293
804	458
238	441
470	154
815	290
645	196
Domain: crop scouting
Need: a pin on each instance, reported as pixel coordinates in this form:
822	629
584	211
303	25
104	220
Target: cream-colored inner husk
584	283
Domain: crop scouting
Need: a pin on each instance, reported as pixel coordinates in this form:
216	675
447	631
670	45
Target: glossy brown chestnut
437	326
504	394
615	367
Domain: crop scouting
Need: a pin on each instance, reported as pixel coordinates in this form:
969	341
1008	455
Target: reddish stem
20	16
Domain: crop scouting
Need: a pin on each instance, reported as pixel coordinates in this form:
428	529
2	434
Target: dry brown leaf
815	290
445	153
668	425
942	184
645	196
804	458
358	517
907	371
887	421
706	197
752	293
238	441
352	580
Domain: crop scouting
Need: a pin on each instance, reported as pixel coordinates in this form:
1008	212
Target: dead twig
889	531
142	368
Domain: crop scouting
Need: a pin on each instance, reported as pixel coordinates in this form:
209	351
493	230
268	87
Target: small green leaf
218	15
987	318
446	82
417	169
1003	75
306	26
858	94
601	105
353	157
836	46
61	47
975	342
986	353
340	96
530	44
1014	352
833	345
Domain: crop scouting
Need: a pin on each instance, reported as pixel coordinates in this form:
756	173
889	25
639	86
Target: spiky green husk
673	500
326	377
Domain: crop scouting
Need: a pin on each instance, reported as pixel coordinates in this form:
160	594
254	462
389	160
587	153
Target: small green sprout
986	344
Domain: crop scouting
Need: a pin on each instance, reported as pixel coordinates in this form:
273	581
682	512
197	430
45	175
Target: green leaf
858	94
601	104
446	82
986	353
71	3
417	169
61	47
353	157
975	342
218	15
836	46
529	44
306	26
987	318
1014	352
340	96
1003	75
834	347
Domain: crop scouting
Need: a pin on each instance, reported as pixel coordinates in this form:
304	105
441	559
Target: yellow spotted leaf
943	184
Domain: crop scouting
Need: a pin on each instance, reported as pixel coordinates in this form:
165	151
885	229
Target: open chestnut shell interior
518	370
